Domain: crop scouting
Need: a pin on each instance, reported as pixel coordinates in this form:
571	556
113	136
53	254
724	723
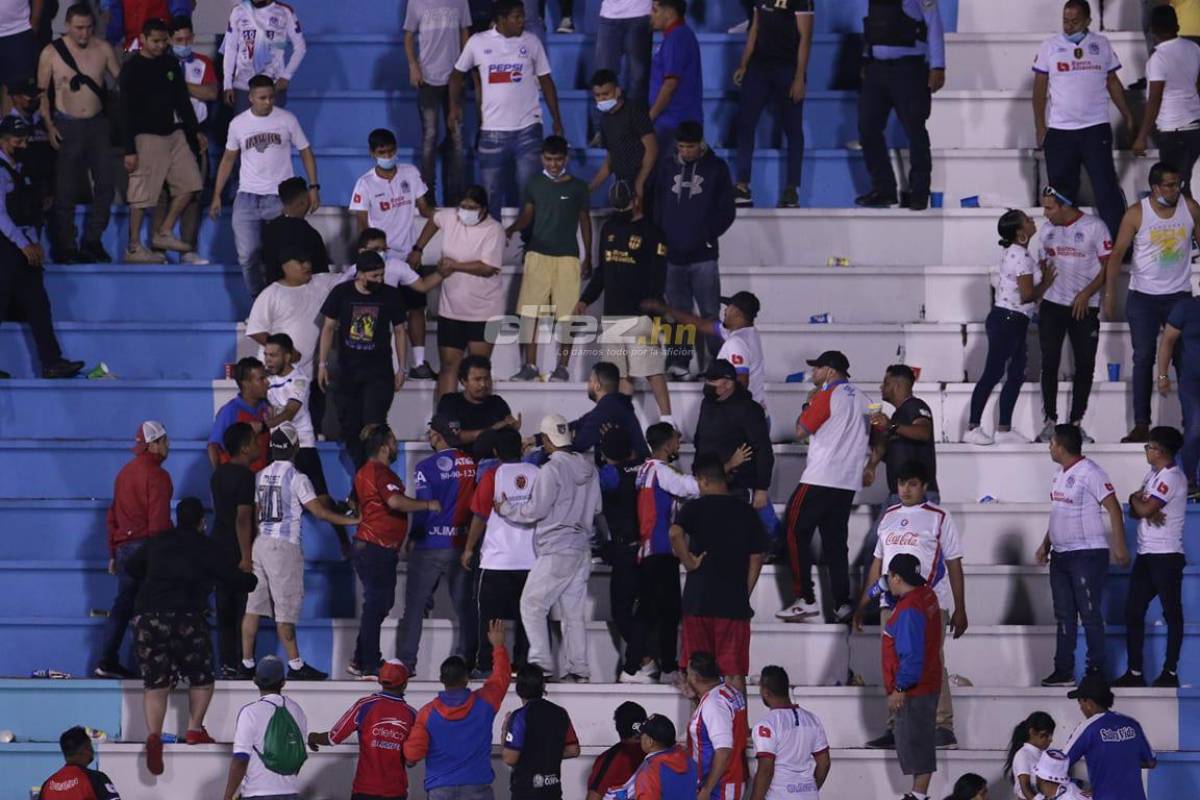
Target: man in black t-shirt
537	737
774	69
475	408
720	541
368	316
627	136
233	497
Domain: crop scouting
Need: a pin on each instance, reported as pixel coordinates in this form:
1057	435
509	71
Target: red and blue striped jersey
382	722
660	489
449	478
719	721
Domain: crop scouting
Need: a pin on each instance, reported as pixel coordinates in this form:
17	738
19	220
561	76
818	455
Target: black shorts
308	461
18	57
413	300
173	645
456	334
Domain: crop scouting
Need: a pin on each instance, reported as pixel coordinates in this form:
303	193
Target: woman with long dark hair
1029	740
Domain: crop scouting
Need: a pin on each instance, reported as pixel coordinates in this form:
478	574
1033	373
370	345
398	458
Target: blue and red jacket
238	410
449	478
453	732
383	722
660	489
665	775
912	645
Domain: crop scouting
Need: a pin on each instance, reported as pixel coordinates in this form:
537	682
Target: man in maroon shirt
617	764
75	781
141	508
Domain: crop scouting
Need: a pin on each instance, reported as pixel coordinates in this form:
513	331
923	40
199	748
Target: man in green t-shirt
557	204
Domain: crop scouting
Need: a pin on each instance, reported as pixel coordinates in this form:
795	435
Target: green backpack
283	749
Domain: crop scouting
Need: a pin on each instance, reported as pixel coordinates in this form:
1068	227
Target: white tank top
1162	251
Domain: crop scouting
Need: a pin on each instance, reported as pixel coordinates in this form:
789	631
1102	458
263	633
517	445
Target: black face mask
373	288
710	392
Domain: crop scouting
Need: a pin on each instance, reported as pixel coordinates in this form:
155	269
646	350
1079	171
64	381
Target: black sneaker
742	197
876	199
944	739
790	198
1059	678
67	257
918	202
62	369
307	673
1167	680
885	742
422	372
5	375
94	253
1140	434
1130	680
480	674
236	672
114	671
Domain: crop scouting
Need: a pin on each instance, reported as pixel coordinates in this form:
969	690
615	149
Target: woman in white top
1015	297
472	292
1030	739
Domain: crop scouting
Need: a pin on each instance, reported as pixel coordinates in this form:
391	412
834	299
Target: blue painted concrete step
40	710
147	292
41	409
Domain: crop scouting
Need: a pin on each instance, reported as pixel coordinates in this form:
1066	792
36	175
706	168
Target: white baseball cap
556	428
285	436
1053	766
149	431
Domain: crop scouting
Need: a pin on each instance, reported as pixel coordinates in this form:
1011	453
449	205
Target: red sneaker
199	737
154	754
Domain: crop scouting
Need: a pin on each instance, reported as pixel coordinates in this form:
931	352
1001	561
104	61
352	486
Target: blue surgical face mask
605	106
386	163
182	51
1076	38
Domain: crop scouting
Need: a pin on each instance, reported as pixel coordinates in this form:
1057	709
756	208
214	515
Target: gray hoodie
565	501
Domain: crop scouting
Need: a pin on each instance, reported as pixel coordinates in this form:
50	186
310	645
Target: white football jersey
791	737
282	492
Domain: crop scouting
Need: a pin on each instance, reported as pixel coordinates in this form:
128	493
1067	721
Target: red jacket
912	644
141	505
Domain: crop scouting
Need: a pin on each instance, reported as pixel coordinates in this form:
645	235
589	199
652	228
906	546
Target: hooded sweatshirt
669	774
693	206
614	408
725	425
565	501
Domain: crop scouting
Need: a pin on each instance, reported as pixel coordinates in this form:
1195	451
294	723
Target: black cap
621	195
368	261
745	302
1093	687
28	86
720	368
15	126
660	729
447	427
908	568
832	358
629	718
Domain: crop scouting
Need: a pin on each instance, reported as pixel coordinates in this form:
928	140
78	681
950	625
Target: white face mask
469	217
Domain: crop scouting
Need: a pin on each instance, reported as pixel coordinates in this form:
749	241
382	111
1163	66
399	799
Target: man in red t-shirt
377	542
617	764
382	722
75	781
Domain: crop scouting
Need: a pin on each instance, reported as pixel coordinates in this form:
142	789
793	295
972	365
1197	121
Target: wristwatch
416	248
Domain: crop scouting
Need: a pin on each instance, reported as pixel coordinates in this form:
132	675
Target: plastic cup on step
937	199
970	202
796	377
1114	373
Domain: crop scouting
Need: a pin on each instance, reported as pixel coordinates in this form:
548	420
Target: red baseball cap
393	673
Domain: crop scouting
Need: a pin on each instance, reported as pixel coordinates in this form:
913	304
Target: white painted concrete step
1037	16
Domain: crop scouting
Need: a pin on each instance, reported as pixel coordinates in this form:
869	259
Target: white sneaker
194	258
567	25
643	675
798	611
1047	431
1084	435
976	436
741	27
843	613
1010	437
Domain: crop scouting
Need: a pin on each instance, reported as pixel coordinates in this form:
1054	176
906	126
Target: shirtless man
79	131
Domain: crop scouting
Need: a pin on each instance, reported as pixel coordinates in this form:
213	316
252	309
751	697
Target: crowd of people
512	526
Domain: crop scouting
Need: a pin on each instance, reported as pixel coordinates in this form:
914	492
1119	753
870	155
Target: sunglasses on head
1050	191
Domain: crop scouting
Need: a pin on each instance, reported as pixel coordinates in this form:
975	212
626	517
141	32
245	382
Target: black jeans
231	607
376	569
25	285
86	148
362	398
809	508
1092	149
901	85
1006	345
1055	323
1180	149
770	84
623	589
657	613
498	596
1155	575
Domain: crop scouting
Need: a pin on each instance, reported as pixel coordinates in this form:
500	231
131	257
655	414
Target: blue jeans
1077	580
1189	401
630	38
533	20
1092	149
122	607
763	84
1146	315
481	791
250	211
376	569
426	567
698	283
433	103
1006	345
496	149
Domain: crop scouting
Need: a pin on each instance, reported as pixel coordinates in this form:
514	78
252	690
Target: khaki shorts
549	281
279	567
162	160
634	348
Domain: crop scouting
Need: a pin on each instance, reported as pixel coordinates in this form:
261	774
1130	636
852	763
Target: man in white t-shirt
1162	229
1078	550
386	197
283	494
259	32
1077	245
1076	70
264	135
512	66
923	529
1160	508
1173	105
835	424
248	775
790	744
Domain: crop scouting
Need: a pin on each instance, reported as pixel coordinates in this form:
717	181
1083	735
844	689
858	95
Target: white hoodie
564	505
